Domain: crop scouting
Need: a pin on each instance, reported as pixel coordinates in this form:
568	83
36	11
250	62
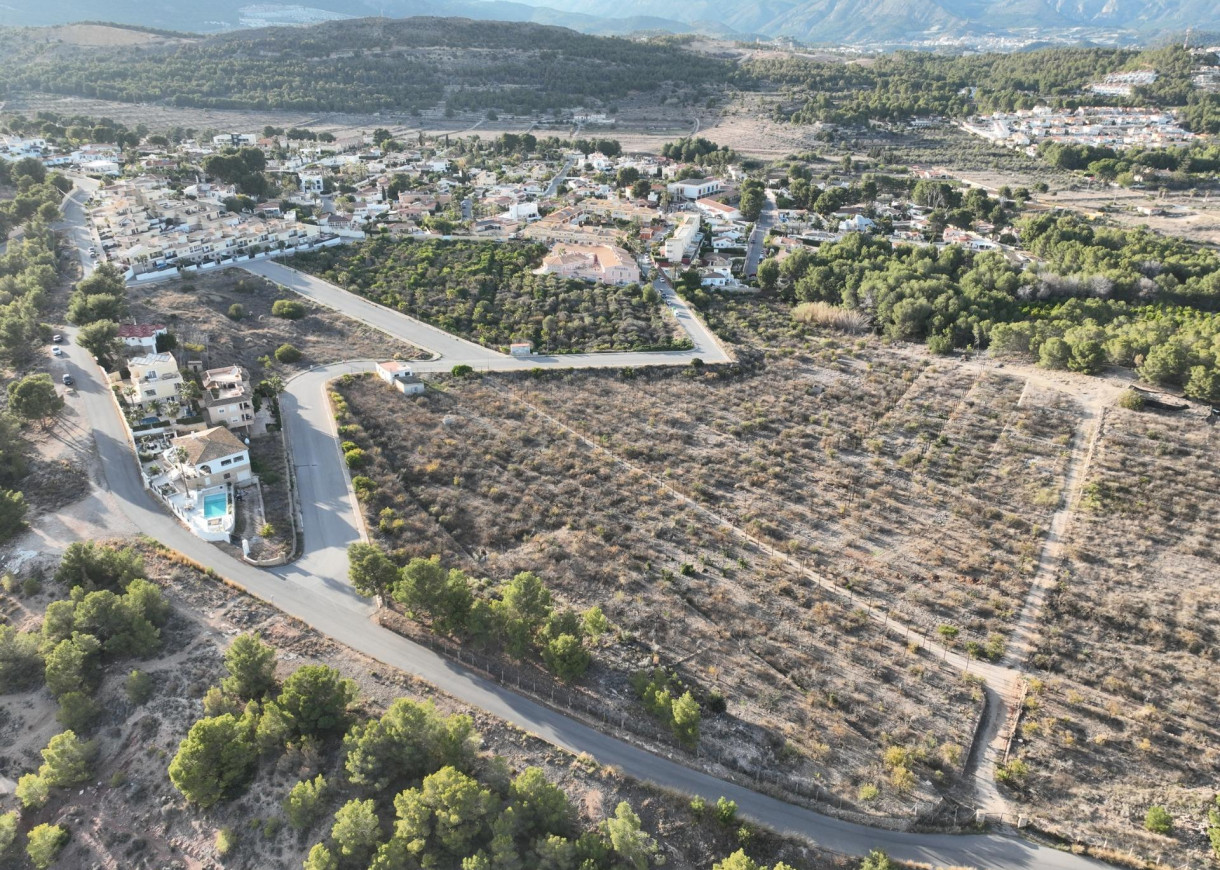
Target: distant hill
817	21
356	65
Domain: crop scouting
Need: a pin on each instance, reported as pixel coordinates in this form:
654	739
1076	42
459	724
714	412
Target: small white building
520	349
718	210
399	376
523	211
695	188
312	182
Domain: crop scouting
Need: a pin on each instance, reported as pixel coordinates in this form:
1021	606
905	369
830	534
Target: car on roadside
56	350
68	380
57	338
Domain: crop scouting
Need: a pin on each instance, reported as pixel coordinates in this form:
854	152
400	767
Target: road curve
315	591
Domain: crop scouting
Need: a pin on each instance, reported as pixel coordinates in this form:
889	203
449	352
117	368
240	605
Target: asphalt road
766	220
325	603
553	187
315	591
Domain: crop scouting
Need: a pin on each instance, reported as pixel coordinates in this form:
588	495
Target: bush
1158	820
33	791
462	370
77	712
224	841
44	843
287	354
726	811
304	802
138	686
1131	399
566	658
289	309
356	458
237	311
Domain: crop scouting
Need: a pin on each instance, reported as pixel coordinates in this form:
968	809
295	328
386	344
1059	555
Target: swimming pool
215	505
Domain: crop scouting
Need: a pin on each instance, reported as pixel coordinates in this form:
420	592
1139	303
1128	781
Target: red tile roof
139	330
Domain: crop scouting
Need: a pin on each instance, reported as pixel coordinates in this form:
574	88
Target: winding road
315	590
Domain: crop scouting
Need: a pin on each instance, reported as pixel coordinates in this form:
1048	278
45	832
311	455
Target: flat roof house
399	376
154	378
228	399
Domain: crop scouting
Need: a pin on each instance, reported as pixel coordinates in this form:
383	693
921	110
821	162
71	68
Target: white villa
197	480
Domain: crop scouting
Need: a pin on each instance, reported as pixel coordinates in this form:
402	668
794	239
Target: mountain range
810	21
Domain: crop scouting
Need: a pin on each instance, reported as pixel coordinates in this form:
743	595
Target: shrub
567	658
356	458
237	311
44	843
1131	399
287	354
1013	773
462	370
33	791
304	802
138	686
726	811
224	841
289	309
1158	820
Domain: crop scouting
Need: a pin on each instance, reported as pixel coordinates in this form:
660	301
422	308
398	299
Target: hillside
363	65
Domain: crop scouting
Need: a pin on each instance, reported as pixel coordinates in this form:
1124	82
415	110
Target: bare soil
196	311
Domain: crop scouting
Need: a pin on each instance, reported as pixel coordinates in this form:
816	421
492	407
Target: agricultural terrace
814	689
1127	716
487	292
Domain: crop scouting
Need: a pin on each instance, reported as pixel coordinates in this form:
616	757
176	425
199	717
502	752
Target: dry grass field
814	690
1128	716
196	310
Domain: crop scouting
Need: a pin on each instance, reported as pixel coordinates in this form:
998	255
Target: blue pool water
216	505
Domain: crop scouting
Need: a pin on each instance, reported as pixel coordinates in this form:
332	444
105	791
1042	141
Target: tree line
518	616
1095	296
903	85
29	271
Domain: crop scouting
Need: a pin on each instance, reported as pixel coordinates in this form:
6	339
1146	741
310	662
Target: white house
399	376
857	224
523	211
695	188
311	182
141	336
718	210
154	378
211	457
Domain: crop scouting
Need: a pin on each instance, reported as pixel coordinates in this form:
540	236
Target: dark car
68	380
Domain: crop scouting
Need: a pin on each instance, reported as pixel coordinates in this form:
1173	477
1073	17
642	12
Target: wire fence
532	681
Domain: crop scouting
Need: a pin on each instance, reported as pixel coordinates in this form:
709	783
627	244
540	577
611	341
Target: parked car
57	338
68	380
56	350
